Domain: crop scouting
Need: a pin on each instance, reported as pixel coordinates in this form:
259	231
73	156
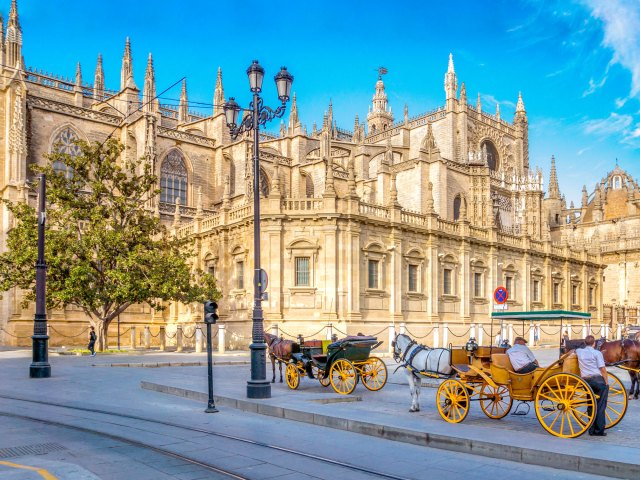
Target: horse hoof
412	410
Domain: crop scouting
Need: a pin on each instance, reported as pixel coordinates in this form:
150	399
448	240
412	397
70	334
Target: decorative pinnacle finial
520	104
450	68
382	71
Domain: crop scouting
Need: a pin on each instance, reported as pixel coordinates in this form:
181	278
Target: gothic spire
585	196
479	104
450	81
554	189
149	91
406	114
218	94
183	109
520	104
126	73
14	37
293	115
98	80
498	111
463	95
78	75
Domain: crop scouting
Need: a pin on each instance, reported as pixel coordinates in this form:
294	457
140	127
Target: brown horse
625	353
280	350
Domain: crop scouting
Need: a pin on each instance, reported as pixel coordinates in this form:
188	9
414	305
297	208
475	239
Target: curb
595	464
170	364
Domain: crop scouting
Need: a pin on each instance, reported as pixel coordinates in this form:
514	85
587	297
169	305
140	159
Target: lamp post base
40	367
211	410
258	386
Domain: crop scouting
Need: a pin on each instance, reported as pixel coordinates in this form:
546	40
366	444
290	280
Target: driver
594	372
522	360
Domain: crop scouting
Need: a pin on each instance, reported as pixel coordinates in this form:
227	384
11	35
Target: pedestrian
565	338
522	359
593	371
536	335
92	341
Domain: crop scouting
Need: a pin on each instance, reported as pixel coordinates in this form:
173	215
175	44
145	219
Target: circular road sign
500	295
263	280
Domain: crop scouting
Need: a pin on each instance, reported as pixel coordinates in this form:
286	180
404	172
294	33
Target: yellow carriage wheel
326	381
616	403
453	401
565	405
495	402
292	375
343	376
374	374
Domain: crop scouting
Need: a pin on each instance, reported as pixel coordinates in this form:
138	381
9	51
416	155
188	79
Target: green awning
541	315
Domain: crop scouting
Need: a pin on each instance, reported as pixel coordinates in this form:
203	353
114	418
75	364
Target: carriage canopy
541	315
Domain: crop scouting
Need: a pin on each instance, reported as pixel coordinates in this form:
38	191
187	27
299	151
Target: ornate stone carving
186	137
85	113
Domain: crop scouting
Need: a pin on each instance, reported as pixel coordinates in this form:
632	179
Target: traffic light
210	313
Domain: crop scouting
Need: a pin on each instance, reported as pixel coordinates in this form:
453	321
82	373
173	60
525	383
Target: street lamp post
257	114
40	367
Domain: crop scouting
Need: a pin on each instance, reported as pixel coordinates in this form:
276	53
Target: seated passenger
521	357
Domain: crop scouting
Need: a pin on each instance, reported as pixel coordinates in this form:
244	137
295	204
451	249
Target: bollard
603	332
584	330
198	339
329	331
510	333
163	339
619	333
392	336
179	338
445	335
436	336
532	338
472	331
133	337
403	328
480	333
147	337
274	330
607	331
221	332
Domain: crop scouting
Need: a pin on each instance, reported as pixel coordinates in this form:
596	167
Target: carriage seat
502	373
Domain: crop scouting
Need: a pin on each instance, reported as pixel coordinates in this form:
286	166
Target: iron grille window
240	275
536	290
592	291
302	272
477	285
509	287
574	294
373	273
556	292
173	179
413	278
446	277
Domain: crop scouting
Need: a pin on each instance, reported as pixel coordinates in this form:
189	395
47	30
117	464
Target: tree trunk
102	342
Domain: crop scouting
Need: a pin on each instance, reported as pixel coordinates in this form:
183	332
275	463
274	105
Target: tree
104	249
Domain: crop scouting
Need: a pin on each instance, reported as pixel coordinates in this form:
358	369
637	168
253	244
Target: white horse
420	361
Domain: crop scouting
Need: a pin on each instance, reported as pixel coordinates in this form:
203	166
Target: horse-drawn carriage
565	404
339	364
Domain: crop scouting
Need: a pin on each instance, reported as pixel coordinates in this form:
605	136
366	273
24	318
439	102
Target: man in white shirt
593	371
522	360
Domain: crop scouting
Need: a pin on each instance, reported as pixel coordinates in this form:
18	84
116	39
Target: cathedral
412	220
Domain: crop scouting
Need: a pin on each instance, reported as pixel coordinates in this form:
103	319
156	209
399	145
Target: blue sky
576	62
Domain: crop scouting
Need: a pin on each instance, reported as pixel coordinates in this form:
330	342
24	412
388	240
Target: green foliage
104	248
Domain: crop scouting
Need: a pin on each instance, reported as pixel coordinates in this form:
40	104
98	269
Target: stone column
198	339
221	338
147	337
163	339
179	338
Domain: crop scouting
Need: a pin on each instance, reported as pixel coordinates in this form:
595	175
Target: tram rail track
164	451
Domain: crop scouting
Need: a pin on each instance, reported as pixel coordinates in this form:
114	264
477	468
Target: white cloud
621	23
490	100
593	86
582	150
614	124
620	102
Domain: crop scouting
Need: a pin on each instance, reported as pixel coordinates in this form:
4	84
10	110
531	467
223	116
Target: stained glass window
65	143
173	178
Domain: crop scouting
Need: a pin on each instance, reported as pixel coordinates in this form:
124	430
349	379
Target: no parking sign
500	295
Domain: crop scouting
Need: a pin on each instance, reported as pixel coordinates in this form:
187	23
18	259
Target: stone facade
411	220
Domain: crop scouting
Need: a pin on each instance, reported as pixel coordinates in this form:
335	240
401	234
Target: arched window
173	178
456	207
65	143
617	182
308	185
264	183
493	159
